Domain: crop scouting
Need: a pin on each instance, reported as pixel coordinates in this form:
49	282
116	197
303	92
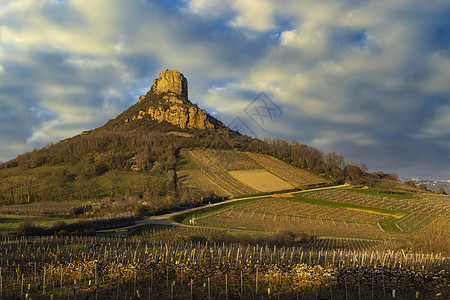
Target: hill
166	152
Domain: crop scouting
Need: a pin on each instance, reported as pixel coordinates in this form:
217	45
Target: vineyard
184	234
215	164
261	180
238	173
300	209
197	179
419	211
291	174
239	219
414	222
425	204
41	209
292	214
11	216
112	268
224	160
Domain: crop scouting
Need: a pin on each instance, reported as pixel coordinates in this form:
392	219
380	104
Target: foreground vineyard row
108	268
176	233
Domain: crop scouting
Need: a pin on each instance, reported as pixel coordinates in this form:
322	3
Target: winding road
165	219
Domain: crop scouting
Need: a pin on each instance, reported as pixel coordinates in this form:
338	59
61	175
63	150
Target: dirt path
165	219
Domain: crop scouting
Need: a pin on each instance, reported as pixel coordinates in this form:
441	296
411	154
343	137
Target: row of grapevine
437	205
241	219
111	267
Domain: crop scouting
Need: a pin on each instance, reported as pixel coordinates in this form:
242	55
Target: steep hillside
134	162
238	173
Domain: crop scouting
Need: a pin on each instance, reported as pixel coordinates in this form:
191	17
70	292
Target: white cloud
351	75
209	8
254	14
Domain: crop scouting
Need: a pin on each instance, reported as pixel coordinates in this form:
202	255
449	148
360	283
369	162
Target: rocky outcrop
179	115
175	106
172	82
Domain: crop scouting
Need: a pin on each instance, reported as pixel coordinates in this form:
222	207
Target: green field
11	222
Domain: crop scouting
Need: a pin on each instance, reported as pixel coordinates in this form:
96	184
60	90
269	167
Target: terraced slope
214	164
238	173
295	176
197	179
261	180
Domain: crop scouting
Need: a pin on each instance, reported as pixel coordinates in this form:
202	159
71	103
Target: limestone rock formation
171	82
175	107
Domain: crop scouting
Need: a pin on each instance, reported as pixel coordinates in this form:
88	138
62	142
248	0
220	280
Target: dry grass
261	180
177	133
293	175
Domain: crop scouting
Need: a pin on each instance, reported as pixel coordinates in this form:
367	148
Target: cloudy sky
366	78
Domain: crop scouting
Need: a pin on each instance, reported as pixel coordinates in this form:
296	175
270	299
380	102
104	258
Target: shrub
12	164
62	232
27	228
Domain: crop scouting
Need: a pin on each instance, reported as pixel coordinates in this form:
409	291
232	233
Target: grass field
11	222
